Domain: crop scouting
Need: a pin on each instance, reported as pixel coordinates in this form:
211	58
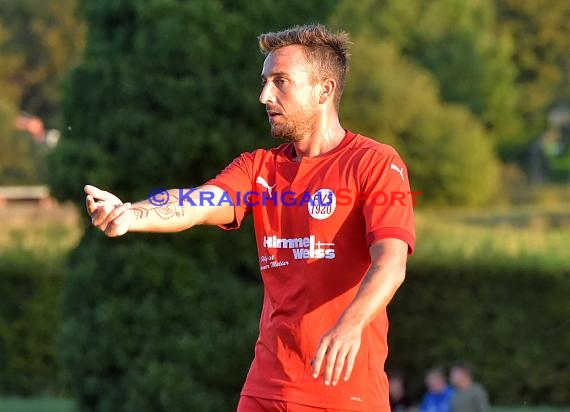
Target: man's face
435	382
396	388
459	378
289	95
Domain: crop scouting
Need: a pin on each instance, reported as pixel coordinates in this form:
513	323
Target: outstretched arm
338	348
115	218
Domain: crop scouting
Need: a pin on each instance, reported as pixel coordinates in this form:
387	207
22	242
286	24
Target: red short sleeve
236	180
388	204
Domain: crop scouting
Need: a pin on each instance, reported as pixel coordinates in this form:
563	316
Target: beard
285	131
292	130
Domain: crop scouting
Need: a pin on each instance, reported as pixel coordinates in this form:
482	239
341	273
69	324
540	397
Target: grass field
36	405
528	409
47	232
525	236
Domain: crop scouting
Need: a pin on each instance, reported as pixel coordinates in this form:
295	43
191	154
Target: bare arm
340	344
177	211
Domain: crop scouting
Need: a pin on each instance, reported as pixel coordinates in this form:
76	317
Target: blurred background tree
461	46
506	61
42	40
39	42
433	79
16	157
399	101
540	32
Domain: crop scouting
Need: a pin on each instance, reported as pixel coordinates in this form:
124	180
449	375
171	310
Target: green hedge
149	327
176	332
511	322
30	293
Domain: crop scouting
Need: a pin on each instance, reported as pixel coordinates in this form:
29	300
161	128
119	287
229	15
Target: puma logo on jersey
397	169
261	181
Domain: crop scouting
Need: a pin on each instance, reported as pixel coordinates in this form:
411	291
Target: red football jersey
315	220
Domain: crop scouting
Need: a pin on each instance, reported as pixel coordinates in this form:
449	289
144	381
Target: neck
325	135
466	385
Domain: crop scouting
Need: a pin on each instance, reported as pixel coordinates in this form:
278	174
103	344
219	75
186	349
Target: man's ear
328	88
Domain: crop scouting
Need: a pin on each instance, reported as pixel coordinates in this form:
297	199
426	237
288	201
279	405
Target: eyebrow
276	74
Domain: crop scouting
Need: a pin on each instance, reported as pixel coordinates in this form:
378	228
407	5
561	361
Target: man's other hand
337	352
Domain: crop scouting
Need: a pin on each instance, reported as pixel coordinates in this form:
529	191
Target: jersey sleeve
388	201
236	180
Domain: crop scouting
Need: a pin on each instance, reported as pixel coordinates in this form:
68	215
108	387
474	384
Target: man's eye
279	81
263	82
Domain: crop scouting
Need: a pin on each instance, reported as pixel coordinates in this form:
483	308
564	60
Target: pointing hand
108	212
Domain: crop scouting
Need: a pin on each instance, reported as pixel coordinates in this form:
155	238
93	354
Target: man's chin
282	133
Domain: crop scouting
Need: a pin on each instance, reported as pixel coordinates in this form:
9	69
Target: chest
308	193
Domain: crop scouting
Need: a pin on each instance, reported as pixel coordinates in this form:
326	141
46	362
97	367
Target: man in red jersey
329	267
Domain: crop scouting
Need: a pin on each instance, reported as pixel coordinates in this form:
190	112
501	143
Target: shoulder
373	147
478	388
259	154
372	158
428	398
249	160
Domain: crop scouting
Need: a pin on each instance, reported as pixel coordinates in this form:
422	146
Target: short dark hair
465	367
326	51
394	374
436	370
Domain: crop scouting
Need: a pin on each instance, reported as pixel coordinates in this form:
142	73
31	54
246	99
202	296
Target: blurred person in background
399	402
439	393
469	396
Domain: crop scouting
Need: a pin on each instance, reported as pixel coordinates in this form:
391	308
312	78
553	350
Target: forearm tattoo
371	271
169	210
375	267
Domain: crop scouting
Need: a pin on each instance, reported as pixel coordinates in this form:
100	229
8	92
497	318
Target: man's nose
266	95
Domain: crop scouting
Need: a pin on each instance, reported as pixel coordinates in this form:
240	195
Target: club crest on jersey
322	204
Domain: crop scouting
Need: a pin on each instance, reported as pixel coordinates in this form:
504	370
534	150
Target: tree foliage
16	155
42	40
448	151
541	36
460	44
31	293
